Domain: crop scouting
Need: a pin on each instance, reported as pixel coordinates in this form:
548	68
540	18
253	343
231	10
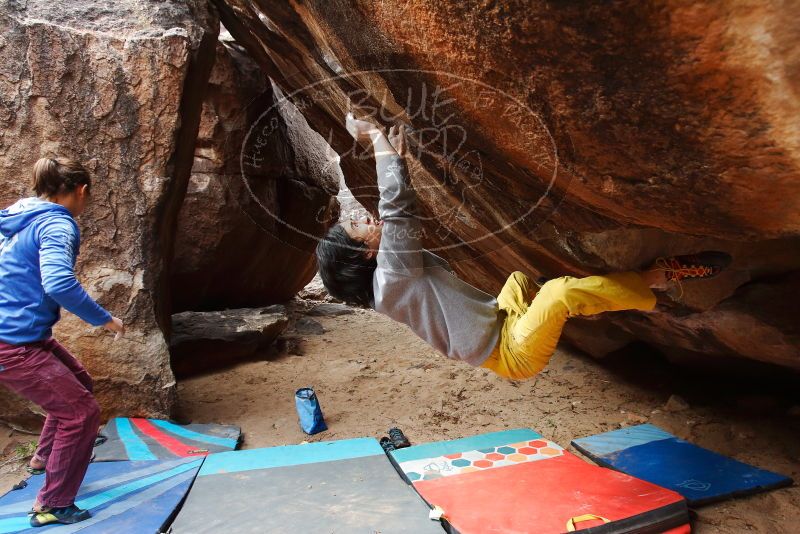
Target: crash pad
516	481
156	439
122	497
328	486
700	475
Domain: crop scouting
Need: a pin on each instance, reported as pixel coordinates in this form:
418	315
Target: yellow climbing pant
533	324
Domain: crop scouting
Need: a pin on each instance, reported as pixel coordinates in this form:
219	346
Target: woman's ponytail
55	176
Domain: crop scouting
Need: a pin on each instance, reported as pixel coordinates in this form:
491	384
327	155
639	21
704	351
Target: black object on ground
398	438
387	444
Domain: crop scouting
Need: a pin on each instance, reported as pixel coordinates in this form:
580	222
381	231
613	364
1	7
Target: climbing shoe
66	515
387	445
398	438
100	439
702	265
34	471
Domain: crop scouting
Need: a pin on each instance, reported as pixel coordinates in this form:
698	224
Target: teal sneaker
66	515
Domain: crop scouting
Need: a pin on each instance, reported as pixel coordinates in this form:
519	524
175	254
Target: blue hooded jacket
39	243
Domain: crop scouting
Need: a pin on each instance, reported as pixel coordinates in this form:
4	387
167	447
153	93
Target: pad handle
585	517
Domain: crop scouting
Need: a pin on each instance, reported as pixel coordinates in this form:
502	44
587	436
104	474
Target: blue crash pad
700	475
122	497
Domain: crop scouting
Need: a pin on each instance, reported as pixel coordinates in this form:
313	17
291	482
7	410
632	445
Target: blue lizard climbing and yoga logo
451	163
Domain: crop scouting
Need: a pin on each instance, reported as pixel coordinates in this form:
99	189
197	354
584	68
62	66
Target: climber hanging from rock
382	264
39	242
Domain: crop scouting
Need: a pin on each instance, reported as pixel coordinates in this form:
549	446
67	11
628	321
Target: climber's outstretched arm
401	241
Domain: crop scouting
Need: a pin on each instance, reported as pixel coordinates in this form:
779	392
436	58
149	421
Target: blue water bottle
309	412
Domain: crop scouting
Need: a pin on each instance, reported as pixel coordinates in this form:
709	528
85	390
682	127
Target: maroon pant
48	375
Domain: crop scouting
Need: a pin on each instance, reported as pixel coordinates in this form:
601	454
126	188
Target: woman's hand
362	130
115	325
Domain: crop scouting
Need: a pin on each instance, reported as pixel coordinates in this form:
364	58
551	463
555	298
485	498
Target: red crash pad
518	482
542	496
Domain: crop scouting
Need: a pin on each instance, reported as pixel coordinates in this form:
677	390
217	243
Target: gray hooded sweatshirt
417	288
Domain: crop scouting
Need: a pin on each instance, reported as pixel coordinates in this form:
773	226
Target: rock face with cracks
545	137
565	139
246	234
115	87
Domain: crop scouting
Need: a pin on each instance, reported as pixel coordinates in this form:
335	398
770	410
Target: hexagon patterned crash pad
516	481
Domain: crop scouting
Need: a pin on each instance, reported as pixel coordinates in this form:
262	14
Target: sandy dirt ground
371	374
